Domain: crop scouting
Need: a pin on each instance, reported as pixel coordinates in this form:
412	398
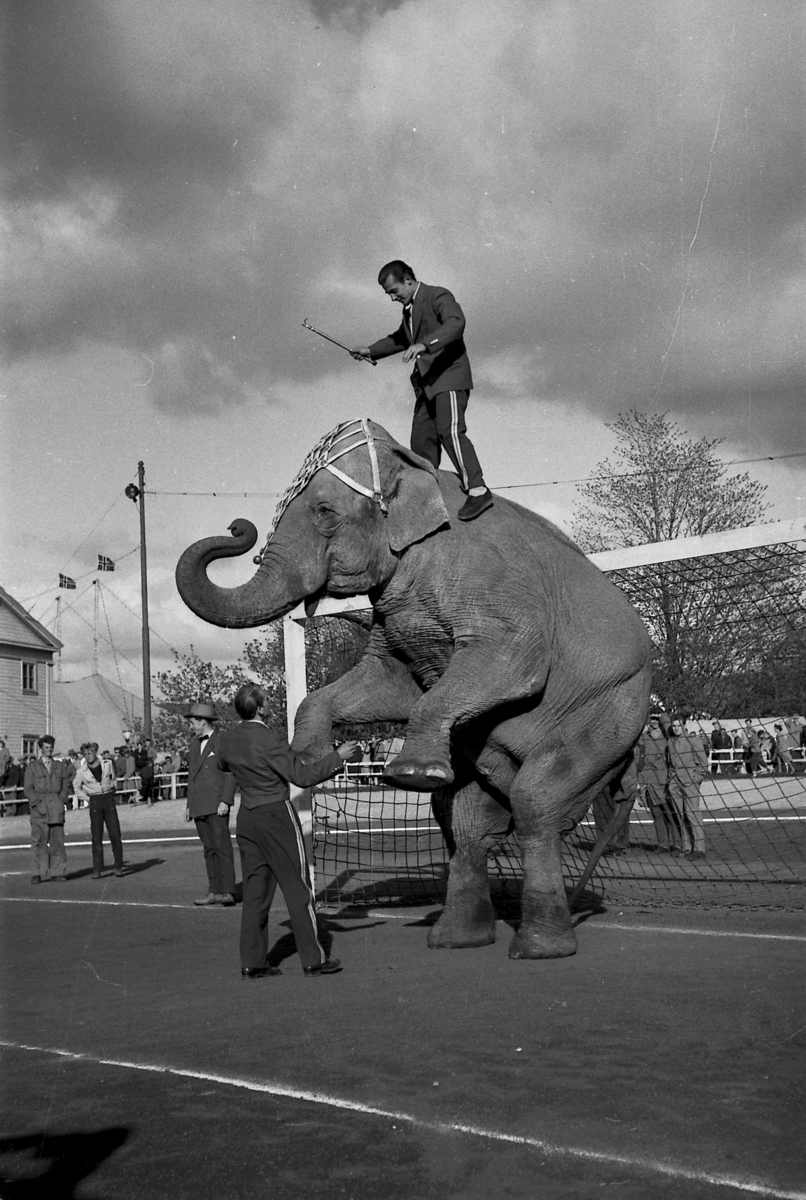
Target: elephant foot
418	776
530	944
449	935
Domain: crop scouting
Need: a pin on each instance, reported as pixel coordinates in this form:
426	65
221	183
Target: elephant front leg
379	688
468	819
477	679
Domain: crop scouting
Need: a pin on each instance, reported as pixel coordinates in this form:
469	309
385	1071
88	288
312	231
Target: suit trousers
103	811
214	833
684	798
47	843
273	852
440	423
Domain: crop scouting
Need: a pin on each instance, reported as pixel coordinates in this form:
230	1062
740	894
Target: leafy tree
718	624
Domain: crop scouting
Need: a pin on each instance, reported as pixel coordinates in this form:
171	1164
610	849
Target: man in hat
46	787
210	793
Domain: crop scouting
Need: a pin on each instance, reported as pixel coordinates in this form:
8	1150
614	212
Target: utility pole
138	495
59	636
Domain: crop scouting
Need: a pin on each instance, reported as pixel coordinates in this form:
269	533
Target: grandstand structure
373	843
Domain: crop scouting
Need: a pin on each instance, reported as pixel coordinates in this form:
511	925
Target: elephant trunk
269	594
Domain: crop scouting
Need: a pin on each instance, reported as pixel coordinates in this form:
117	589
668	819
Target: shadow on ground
50	1167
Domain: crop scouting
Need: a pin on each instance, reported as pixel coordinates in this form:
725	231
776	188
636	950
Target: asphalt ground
664	1059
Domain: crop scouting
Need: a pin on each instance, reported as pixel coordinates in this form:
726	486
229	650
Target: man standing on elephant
46	788
431	337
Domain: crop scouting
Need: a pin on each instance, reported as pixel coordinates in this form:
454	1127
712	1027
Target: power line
505	487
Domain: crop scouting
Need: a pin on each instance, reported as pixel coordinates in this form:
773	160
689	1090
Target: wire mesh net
729	640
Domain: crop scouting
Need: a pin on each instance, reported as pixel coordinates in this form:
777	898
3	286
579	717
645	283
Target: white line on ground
128	841
99	901
389	916
772	937
672	1170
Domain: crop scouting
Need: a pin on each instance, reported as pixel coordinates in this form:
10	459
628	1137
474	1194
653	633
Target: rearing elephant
523	673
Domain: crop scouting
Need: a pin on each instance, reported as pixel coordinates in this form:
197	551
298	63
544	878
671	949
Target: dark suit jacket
207	785
438	322
263	763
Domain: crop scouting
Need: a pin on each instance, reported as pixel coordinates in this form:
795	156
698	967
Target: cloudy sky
614	192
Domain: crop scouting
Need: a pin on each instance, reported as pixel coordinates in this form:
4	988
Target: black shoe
36	879
474	506
696	854
259	972
59	878
326	968
224	899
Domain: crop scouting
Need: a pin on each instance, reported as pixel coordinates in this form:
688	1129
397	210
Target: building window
29	741
29	677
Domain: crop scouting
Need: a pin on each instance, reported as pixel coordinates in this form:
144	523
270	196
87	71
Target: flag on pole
66	582
104	563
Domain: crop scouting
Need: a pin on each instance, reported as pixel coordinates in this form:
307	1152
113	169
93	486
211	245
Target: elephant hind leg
470	820
541	796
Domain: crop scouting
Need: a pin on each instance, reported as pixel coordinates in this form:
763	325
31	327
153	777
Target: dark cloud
616	195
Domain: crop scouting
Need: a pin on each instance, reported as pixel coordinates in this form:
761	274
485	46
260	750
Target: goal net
727	617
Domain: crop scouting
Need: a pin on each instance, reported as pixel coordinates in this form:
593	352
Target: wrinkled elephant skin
523	673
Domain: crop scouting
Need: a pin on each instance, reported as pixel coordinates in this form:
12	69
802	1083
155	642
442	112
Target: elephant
522	672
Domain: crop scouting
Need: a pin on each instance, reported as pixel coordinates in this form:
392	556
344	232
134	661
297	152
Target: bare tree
714	621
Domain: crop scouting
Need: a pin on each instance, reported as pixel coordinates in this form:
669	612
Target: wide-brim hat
203	710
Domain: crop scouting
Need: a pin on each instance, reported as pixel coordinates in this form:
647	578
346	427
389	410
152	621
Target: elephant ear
416	507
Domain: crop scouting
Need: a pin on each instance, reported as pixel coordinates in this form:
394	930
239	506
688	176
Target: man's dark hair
248	699
396	269
46	737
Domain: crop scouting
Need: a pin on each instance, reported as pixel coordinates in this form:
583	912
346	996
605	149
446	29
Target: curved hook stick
307	325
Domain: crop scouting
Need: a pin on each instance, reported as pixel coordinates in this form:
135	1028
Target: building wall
24	714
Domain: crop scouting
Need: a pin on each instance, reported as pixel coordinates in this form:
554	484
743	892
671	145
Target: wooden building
27	651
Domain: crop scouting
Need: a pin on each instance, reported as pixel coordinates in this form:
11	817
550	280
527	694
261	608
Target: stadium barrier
171	786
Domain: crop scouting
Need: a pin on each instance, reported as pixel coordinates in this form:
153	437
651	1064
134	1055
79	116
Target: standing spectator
688	767
119	763
144	767
752	749
785	744
653	774
15	773
5	759
721	746
210	794
167	772
269	833
95	780
46	787
621	792
70	763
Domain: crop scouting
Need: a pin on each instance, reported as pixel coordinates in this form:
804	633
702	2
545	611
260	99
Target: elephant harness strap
322	457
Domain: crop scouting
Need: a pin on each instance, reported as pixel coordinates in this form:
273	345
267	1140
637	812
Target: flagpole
141	483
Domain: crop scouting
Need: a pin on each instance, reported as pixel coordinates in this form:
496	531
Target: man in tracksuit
431	336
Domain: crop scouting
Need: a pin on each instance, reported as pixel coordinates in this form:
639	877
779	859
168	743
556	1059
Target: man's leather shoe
259	972
224	899
36	879
326	968
474	506
59	878
96	875
210	898
119	871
